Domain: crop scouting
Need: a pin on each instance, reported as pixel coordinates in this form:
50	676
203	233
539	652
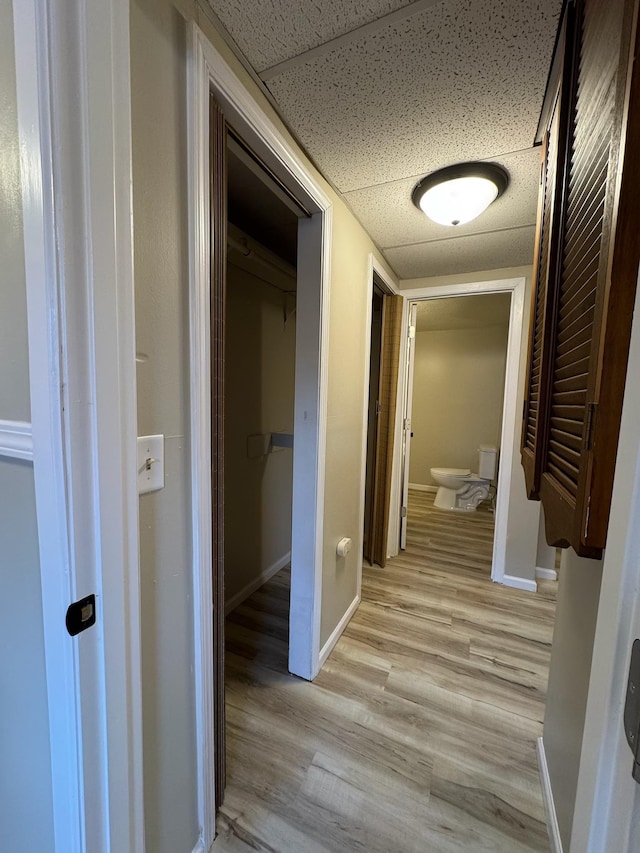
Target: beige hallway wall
160	183
458	391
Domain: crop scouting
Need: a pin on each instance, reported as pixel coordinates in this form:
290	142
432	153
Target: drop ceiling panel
271	31
458	255
463	79
390	217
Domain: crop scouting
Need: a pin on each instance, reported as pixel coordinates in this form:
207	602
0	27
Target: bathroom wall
458	392
259	397
26	799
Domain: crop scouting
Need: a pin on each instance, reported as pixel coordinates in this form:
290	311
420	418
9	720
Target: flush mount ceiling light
457	194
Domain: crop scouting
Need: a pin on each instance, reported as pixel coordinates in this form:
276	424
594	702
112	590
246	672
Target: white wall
259	396
523	515
546	555
26	810
569	674
458	393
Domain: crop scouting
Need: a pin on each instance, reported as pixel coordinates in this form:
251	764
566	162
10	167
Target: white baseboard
547	796
256	583
337	631
418	487
546	574
519	583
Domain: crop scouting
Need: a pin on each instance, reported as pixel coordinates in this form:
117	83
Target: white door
79	286
607	812
406	432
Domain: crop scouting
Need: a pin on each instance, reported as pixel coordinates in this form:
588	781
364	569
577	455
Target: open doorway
455	406
508	464
258	424
218	102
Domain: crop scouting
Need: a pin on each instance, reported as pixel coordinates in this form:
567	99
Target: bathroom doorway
464	314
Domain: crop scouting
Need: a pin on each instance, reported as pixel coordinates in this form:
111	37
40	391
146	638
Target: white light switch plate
150	463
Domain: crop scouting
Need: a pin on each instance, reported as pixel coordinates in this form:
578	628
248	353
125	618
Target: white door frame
376	269
208	72
606	792
74	126
510	413
407	430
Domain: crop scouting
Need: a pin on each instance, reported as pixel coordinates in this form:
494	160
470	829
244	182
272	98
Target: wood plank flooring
418	734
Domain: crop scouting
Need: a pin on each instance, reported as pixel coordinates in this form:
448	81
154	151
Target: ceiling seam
346	38
420	175
460	236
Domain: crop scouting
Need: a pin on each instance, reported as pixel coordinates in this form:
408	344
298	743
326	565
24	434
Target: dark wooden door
218	189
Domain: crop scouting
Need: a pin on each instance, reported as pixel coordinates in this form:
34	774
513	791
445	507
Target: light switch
150	463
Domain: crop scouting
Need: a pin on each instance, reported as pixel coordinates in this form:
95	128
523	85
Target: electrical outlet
150	463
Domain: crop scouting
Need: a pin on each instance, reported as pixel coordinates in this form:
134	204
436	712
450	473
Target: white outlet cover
150	463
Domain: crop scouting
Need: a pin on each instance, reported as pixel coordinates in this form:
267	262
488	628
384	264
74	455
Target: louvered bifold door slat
584	233
532	423
545	264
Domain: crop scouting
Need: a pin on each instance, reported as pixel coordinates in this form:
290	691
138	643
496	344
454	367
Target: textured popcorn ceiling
381	92
483	251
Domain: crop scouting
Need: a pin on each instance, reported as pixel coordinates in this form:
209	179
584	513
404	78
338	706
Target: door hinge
412	332
378	407
81	615
590	427
632	709
403	512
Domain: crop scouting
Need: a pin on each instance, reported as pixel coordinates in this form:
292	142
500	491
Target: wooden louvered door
544	279
535	422
578	310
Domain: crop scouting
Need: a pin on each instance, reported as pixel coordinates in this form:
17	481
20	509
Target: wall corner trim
547	795
256	583
16	441
546	574
519	583
337	632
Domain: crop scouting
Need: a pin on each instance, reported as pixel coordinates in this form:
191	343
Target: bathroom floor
419	732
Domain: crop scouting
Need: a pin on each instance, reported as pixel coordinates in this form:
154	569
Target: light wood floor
419	733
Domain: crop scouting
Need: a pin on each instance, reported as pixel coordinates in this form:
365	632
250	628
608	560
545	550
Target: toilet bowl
462	490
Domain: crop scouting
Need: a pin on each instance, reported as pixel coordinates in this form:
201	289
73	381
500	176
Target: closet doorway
267	384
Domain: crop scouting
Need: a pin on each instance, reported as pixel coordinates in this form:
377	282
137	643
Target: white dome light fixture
457	194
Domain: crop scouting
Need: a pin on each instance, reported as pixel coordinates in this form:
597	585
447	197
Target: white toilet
460	489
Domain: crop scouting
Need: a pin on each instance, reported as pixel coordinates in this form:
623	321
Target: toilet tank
488	456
